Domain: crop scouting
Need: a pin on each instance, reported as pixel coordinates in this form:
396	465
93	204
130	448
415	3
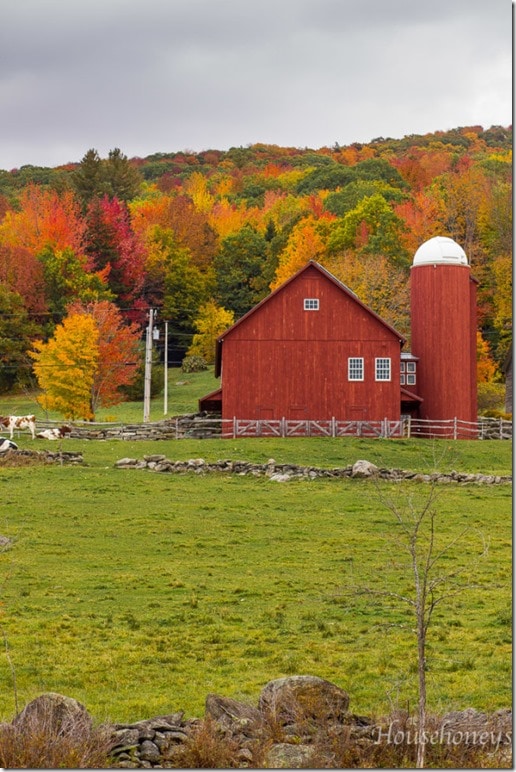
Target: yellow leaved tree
65	367
211	322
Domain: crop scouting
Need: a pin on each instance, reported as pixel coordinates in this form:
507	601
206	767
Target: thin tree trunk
421	722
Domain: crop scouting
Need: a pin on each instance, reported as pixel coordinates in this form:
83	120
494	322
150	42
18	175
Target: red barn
310	350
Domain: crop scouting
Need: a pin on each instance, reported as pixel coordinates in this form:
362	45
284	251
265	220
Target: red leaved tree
111	243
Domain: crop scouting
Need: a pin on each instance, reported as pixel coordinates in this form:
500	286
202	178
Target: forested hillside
203	236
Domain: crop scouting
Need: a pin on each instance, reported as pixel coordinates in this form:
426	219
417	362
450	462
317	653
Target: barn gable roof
281	288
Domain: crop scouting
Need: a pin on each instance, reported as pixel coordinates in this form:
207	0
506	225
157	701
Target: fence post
455	428
333	427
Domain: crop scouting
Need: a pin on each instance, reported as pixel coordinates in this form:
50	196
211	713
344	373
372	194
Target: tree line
202	237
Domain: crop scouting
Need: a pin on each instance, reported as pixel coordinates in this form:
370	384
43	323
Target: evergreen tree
88	179
121	180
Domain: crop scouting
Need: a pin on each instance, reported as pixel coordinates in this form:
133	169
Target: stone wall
285	472
300	721
210	426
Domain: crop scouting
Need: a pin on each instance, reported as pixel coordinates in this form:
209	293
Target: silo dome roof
439	250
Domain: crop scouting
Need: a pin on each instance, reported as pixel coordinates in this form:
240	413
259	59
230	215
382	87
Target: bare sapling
428	571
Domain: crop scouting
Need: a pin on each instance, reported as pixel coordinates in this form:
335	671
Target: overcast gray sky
167	75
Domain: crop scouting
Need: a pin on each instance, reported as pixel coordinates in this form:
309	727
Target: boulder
278	477
297	698
363	468
53	712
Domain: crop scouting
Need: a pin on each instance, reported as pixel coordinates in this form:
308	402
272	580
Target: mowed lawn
139	593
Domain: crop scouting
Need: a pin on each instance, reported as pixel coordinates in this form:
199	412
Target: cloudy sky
167	75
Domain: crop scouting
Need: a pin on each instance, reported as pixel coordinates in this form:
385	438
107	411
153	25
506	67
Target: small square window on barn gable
311	304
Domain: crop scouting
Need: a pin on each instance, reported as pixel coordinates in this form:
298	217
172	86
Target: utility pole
165	362
148	368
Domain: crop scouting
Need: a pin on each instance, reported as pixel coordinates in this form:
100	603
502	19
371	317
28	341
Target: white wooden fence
196	426
485	428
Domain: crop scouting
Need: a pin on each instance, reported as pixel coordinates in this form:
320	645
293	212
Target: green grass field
139	593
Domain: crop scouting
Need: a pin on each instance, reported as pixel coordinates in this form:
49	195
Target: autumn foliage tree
211	322
381	286
90	357
65	367
111	244
44	218
66	279
118	351
306	242
22	272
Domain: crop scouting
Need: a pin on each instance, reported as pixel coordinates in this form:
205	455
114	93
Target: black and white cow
6	445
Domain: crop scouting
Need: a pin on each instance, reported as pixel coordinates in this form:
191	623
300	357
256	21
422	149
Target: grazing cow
6	445
54	434
12	422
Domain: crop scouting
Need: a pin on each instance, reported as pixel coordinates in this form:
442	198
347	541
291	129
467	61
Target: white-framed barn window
411	373
383	369
311	304
355	368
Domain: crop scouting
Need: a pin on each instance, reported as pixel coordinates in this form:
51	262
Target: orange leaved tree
119	352
92	355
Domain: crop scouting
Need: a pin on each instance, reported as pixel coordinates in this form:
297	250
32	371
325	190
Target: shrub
194	364
490	396
39	743
207	747
497	414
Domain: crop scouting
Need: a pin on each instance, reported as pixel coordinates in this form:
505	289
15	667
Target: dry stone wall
298	722
286	472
